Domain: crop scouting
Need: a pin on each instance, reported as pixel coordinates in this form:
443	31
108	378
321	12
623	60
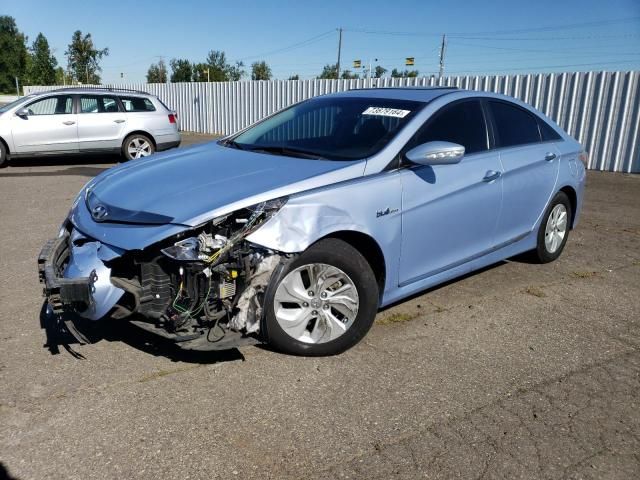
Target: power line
472	35
294	46
543	67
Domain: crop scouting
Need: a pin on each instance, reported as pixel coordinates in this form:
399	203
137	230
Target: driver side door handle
69	122
491	175
119	120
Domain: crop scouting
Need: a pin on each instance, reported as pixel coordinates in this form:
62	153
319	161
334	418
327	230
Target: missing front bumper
63	293
75	277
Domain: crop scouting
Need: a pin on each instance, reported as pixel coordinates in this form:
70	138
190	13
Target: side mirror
23	113
436	153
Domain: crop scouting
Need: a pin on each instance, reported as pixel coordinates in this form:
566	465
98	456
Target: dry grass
584	274
535	291
396	318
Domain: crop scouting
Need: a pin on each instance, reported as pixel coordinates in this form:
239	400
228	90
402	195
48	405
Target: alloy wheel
139	147
556	228
316	303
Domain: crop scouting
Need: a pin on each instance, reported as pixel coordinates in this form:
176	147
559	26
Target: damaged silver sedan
297	229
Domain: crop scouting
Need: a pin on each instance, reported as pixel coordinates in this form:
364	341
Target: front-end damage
202	288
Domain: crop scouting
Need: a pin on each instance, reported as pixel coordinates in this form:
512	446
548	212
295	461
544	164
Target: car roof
94	90
419	94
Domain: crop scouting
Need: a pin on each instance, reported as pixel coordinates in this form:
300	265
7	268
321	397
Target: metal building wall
599	109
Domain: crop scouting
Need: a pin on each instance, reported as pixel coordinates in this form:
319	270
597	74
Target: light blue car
296	230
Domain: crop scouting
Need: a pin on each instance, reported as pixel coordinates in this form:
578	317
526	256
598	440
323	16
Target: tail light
584	158
172	118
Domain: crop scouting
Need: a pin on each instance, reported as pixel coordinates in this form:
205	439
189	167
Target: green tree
60	76
181	70
201	72
404	73
329	71
294	77
157	72
379	71
260	71
222	71
348	75
42	65
13	54
83	58
235	72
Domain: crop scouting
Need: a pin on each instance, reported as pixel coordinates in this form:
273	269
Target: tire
3	155
137	146
301	319
554	229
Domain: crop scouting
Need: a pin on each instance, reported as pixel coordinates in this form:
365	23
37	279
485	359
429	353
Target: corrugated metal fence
600	109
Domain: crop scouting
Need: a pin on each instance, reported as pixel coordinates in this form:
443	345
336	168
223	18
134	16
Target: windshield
9	106
335	128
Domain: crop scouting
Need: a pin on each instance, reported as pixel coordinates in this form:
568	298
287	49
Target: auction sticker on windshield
386	112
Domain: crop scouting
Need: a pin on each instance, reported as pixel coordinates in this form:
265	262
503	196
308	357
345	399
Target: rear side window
57	105
98	104
137	104
462	123
514	125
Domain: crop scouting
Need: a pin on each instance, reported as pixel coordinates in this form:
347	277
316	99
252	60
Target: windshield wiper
288	151
233	144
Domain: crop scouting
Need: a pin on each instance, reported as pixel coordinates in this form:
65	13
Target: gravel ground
519	371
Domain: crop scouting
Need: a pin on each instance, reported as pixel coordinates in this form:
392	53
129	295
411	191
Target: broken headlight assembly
210	247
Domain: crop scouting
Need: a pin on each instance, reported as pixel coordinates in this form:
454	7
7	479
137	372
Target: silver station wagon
87	120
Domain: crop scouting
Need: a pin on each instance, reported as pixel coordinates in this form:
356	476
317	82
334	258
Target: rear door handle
549	156
69	122
119	121
491	175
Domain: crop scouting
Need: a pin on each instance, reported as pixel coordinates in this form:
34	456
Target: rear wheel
137	146
554	229
324	302
3	155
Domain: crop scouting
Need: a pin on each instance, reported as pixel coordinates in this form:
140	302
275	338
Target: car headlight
219	235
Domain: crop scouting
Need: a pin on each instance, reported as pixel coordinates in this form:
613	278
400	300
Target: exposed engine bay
203	288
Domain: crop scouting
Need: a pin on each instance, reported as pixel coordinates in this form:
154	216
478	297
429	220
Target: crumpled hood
186	185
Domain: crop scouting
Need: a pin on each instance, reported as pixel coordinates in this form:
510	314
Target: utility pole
443	48
17	87
339	51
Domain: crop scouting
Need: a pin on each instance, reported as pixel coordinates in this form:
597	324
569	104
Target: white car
87	120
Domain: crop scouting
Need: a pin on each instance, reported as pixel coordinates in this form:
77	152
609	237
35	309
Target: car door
530	167
101	122
450	212
50	126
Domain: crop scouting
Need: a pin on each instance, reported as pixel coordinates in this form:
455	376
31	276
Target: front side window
462	123
98	104
137	104
514	125
57	105
335	128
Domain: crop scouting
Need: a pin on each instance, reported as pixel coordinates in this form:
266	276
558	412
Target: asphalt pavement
518	371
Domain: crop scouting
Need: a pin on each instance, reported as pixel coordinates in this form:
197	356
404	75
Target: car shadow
59	337
79	165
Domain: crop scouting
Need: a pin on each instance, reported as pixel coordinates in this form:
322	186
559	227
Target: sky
300	37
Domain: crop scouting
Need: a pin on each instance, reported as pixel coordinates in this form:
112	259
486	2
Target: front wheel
554	229
324	302
137	146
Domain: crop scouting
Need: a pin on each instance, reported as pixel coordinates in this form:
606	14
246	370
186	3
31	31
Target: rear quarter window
547	133
137	104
